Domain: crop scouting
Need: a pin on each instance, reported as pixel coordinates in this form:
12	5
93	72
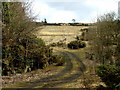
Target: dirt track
67	69
66	75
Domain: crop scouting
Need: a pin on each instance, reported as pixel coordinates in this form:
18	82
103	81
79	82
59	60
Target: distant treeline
66	24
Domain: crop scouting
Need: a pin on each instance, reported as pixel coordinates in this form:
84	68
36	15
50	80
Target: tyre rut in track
81	69
67	69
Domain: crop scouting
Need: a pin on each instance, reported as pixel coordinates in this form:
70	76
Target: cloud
70	6
65	10
103	5
42	10
62	16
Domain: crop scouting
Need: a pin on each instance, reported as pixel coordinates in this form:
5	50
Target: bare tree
105	37
17	22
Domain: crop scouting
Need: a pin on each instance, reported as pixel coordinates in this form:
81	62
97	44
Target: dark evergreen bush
110	75
29	54
76	44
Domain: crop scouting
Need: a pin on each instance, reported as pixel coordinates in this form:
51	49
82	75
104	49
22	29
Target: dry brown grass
52	34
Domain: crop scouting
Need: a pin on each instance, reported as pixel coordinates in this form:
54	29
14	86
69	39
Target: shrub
60	43
59	60
76	45
110	75
53	44
117	63
31	53
12	59
22	50
53	59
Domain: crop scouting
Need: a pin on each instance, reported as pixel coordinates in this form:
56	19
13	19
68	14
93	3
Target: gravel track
67	69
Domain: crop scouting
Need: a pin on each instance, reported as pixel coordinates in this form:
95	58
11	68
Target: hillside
52	34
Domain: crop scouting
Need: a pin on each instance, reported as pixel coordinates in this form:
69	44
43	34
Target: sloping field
52	34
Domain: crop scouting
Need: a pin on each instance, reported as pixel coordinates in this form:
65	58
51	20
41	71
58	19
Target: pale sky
63	11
